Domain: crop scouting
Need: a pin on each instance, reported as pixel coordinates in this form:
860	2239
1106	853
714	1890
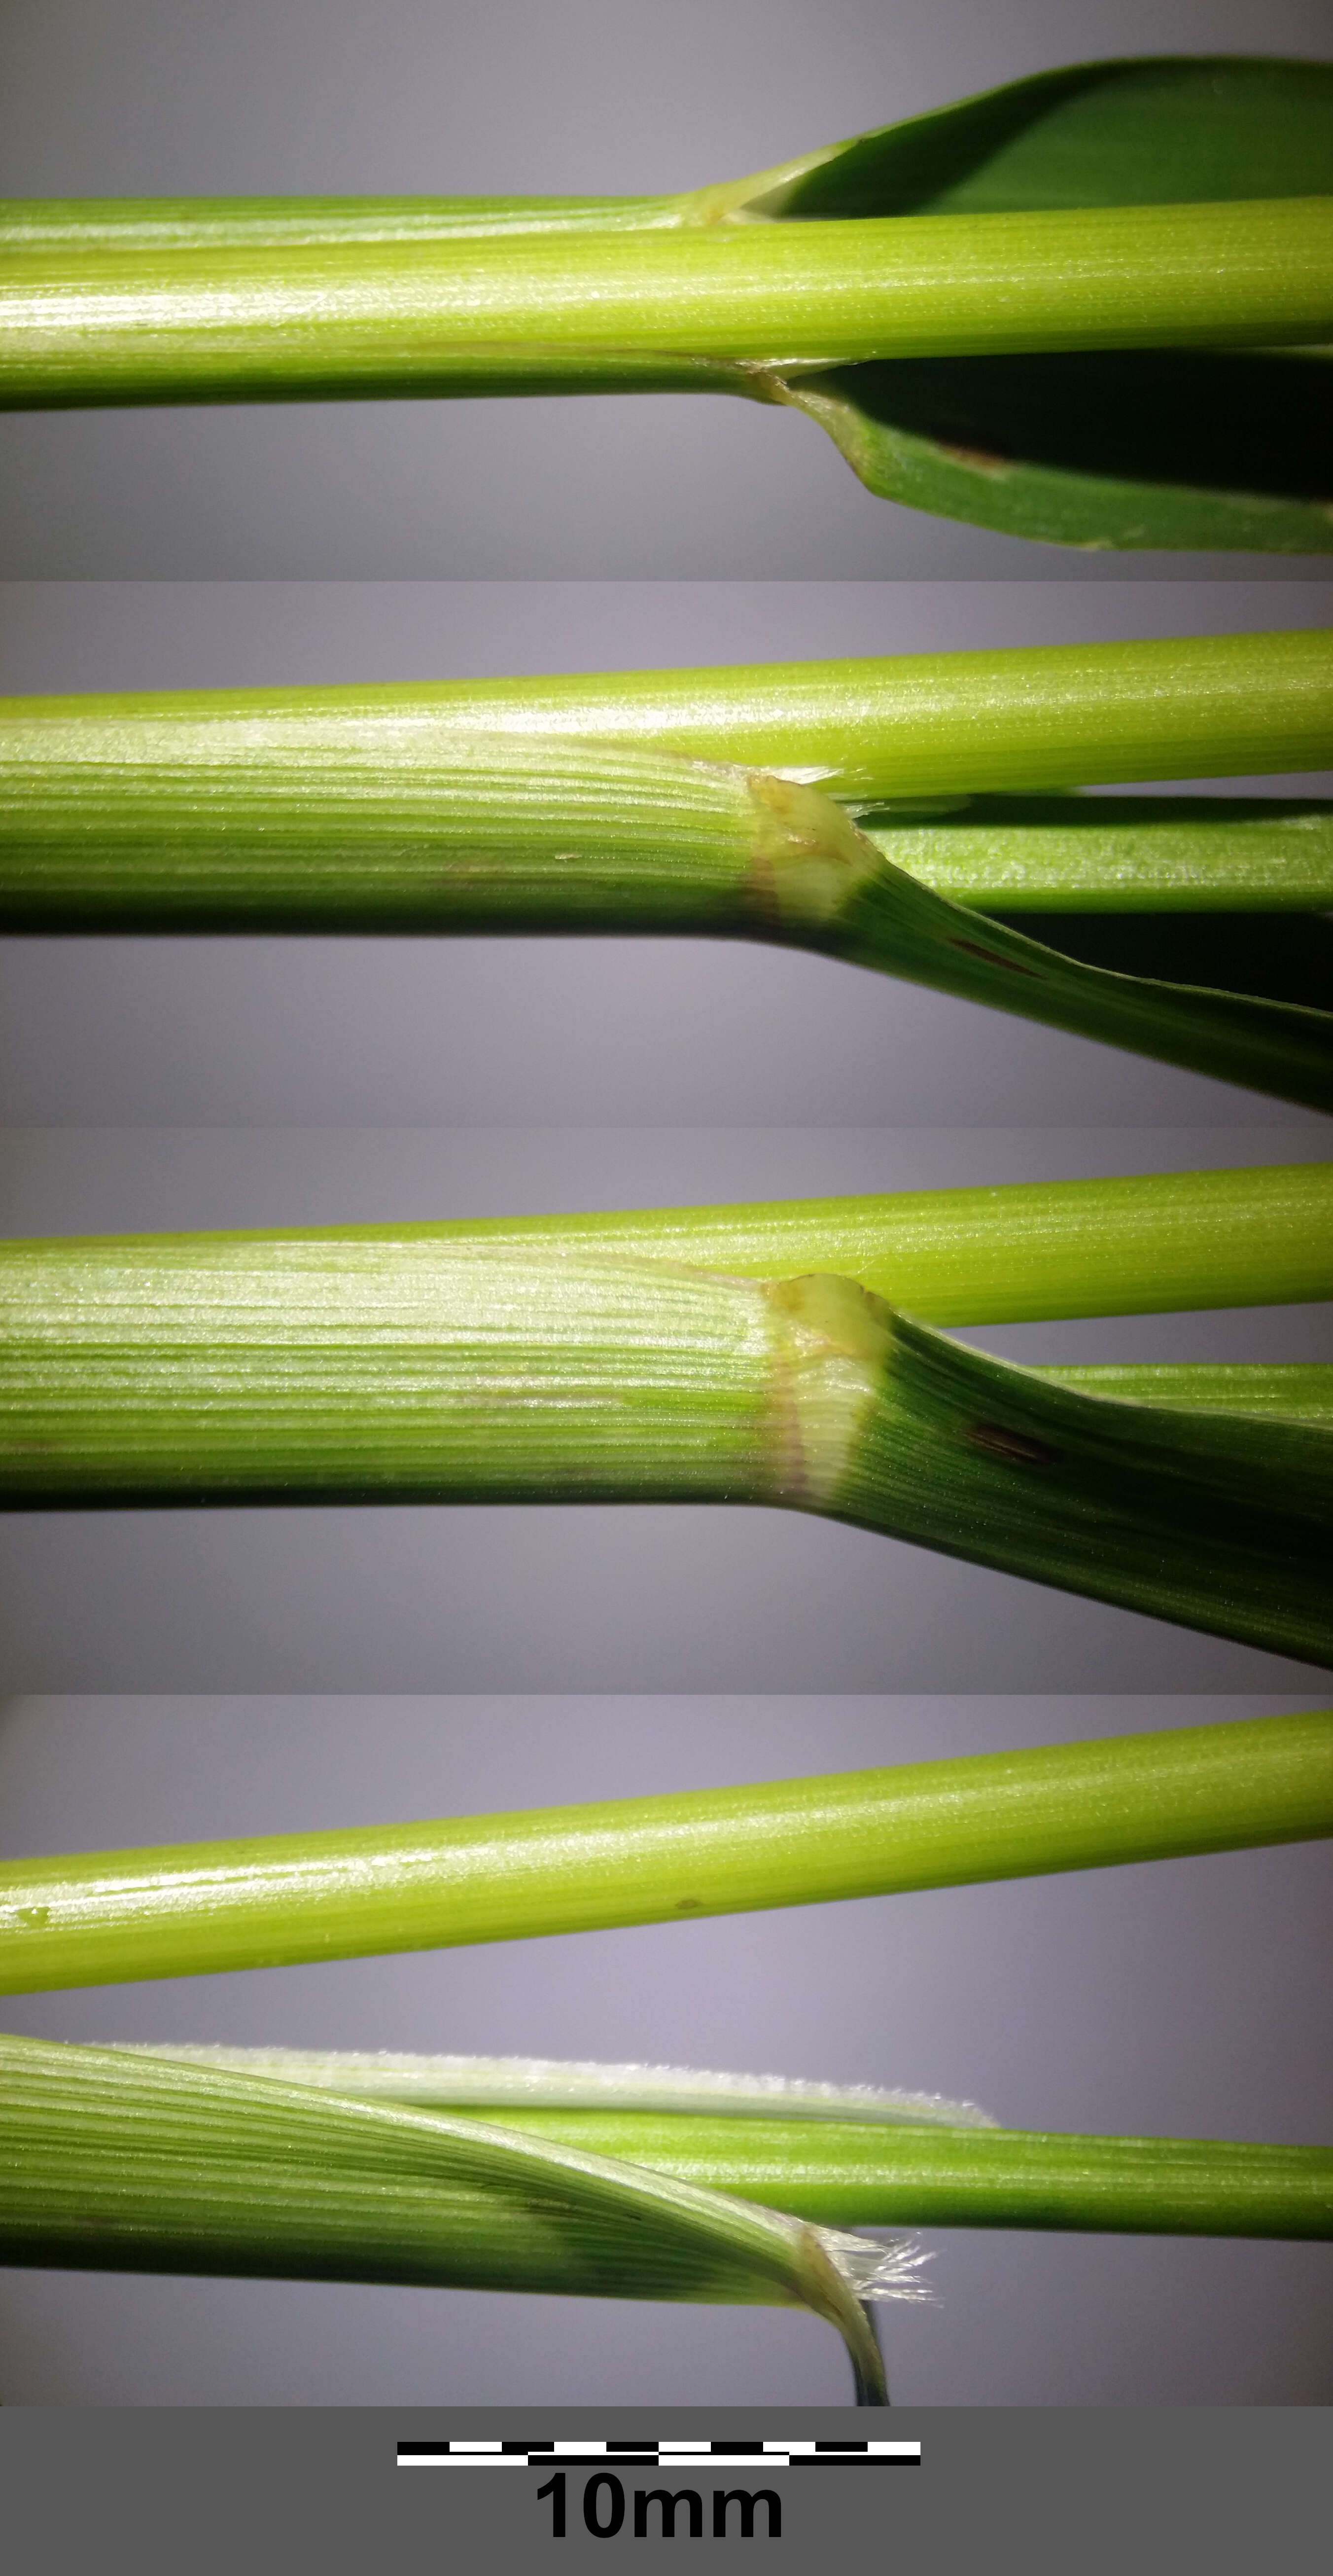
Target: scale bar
624	2451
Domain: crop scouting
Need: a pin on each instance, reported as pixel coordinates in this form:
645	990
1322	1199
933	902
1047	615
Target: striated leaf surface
116	2162
449	1370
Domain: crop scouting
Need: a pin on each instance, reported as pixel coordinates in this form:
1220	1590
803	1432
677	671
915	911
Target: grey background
1233	2488
546	1597
161	97
1186	1998
544	1032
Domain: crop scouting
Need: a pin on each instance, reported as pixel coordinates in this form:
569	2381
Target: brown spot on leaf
689	1905
980	460
991	957
1018	1448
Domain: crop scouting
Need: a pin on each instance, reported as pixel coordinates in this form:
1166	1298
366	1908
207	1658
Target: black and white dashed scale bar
650	2453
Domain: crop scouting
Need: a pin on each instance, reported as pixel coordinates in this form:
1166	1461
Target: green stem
474	313
1100	854
894	2177
199	1909
906	725
1011	1252
121	226
467	1373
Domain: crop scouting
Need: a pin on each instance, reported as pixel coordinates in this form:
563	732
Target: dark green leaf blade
903	928
1104	449
1272	956
1219	1521
1165	130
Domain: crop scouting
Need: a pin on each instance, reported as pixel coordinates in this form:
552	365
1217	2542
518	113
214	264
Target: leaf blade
1154	130
122	2162
1119	450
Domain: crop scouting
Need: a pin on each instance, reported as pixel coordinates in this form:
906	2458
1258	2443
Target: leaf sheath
119	2162
522	835
116	2162
462	1373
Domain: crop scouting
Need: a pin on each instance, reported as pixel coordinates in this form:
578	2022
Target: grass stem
170	321
193	1909
1014	718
